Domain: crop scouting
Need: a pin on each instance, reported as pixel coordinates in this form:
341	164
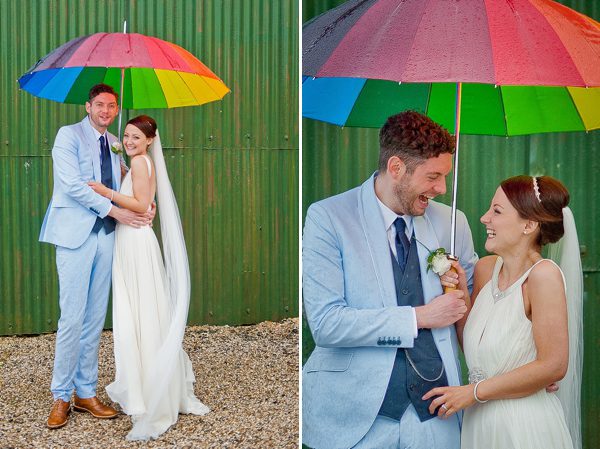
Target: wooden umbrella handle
450	289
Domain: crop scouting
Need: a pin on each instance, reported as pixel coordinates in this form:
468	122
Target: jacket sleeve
332	321
66	165
466	252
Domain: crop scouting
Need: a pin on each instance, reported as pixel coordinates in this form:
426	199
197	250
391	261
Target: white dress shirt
389	217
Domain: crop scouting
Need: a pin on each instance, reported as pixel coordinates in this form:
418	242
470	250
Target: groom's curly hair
99	89
414	138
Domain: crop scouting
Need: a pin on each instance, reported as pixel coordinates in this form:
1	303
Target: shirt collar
389	216
97	133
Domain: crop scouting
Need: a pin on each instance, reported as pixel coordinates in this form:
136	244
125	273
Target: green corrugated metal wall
234	164
336	159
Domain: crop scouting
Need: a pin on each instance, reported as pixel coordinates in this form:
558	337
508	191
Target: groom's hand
128	217
442	311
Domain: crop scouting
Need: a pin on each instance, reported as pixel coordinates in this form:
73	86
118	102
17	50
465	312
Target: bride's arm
142	184
550	333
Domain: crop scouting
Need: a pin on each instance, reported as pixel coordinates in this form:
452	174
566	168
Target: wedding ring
444	407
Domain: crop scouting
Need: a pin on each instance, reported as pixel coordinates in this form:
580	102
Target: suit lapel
115	161
425	234
92	144
379	249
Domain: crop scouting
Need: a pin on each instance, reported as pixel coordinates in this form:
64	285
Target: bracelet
112	194
475	393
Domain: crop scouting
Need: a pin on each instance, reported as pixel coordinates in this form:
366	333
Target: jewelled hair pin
536	189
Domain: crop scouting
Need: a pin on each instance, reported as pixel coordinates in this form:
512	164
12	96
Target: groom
80	223
383	328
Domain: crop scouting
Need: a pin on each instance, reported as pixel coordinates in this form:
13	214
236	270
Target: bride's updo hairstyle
145	124
540	199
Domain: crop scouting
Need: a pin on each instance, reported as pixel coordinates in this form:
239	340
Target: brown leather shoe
59	413
95	407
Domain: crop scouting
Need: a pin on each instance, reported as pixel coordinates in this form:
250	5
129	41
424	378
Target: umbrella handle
451	289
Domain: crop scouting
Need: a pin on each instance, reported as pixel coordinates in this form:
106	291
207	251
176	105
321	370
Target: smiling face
102	111
413	191
503	224
135	141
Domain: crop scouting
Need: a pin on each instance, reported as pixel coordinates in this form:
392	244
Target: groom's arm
332	321
66	165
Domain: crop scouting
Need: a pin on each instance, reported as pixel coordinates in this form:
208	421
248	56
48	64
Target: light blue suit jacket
350	302
74	206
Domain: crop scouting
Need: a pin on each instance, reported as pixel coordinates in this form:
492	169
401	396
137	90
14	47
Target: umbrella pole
454	183
121	90
455	174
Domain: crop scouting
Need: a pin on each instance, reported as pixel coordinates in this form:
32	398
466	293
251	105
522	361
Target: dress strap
498	294
497	267
526	275
149	164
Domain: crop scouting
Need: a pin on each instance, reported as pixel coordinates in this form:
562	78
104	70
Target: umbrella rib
576	108
204	81
428	98
503	111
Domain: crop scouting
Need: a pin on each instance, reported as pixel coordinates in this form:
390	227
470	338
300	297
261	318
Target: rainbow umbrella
149	72
493	67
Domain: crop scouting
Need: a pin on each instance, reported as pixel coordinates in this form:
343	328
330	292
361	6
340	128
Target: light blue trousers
410	432
84	276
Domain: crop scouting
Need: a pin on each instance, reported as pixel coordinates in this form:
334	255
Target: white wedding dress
154	378
498	338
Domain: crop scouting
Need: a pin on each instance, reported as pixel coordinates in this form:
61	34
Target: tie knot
102	141
400	225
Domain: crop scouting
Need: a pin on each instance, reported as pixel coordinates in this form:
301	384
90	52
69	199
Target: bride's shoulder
485	268
545	271
141	163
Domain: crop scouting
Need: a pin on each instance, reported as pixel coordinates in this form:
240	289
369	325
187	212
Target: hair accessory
536	189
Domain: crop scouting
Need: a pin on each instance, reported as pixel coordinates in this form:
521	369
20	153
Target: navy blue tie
402	243
106	172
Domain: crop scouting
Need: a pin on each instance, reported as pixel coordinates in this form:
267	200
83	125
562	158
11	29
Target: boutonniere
437	261
116	147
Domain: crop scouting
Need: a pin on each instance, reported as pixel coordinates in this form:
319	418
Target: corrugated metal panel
233	163
336	159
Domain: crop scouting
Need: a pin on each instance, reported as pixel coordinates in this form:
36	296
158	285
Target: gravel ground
247	375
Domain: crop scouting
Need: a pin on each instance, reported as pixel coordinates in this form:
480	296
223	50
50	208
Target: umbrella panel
142	87
486	109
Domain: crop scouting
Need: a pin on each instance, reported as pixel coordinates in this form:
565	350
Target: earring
524	232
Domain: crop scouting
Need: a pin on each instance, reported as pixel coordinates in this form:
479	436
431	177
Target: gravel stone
247	375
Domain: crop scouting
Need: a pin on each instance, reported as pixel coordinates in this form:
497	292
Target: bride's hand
100	188
450	399
452	279
149	216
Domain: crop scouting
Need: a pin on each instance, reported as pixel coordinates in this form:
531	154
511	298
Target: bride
524	328
154	377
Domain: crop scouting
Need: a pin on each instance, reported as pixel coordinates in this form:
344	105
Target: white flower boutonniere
438	260
116	147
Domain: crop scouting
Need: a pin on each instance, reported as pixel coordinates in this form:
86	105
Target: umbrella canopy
514	58
155	73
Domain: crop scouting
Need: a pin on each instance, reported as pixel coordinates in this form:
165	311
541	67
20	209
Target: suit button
412	387
405	292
